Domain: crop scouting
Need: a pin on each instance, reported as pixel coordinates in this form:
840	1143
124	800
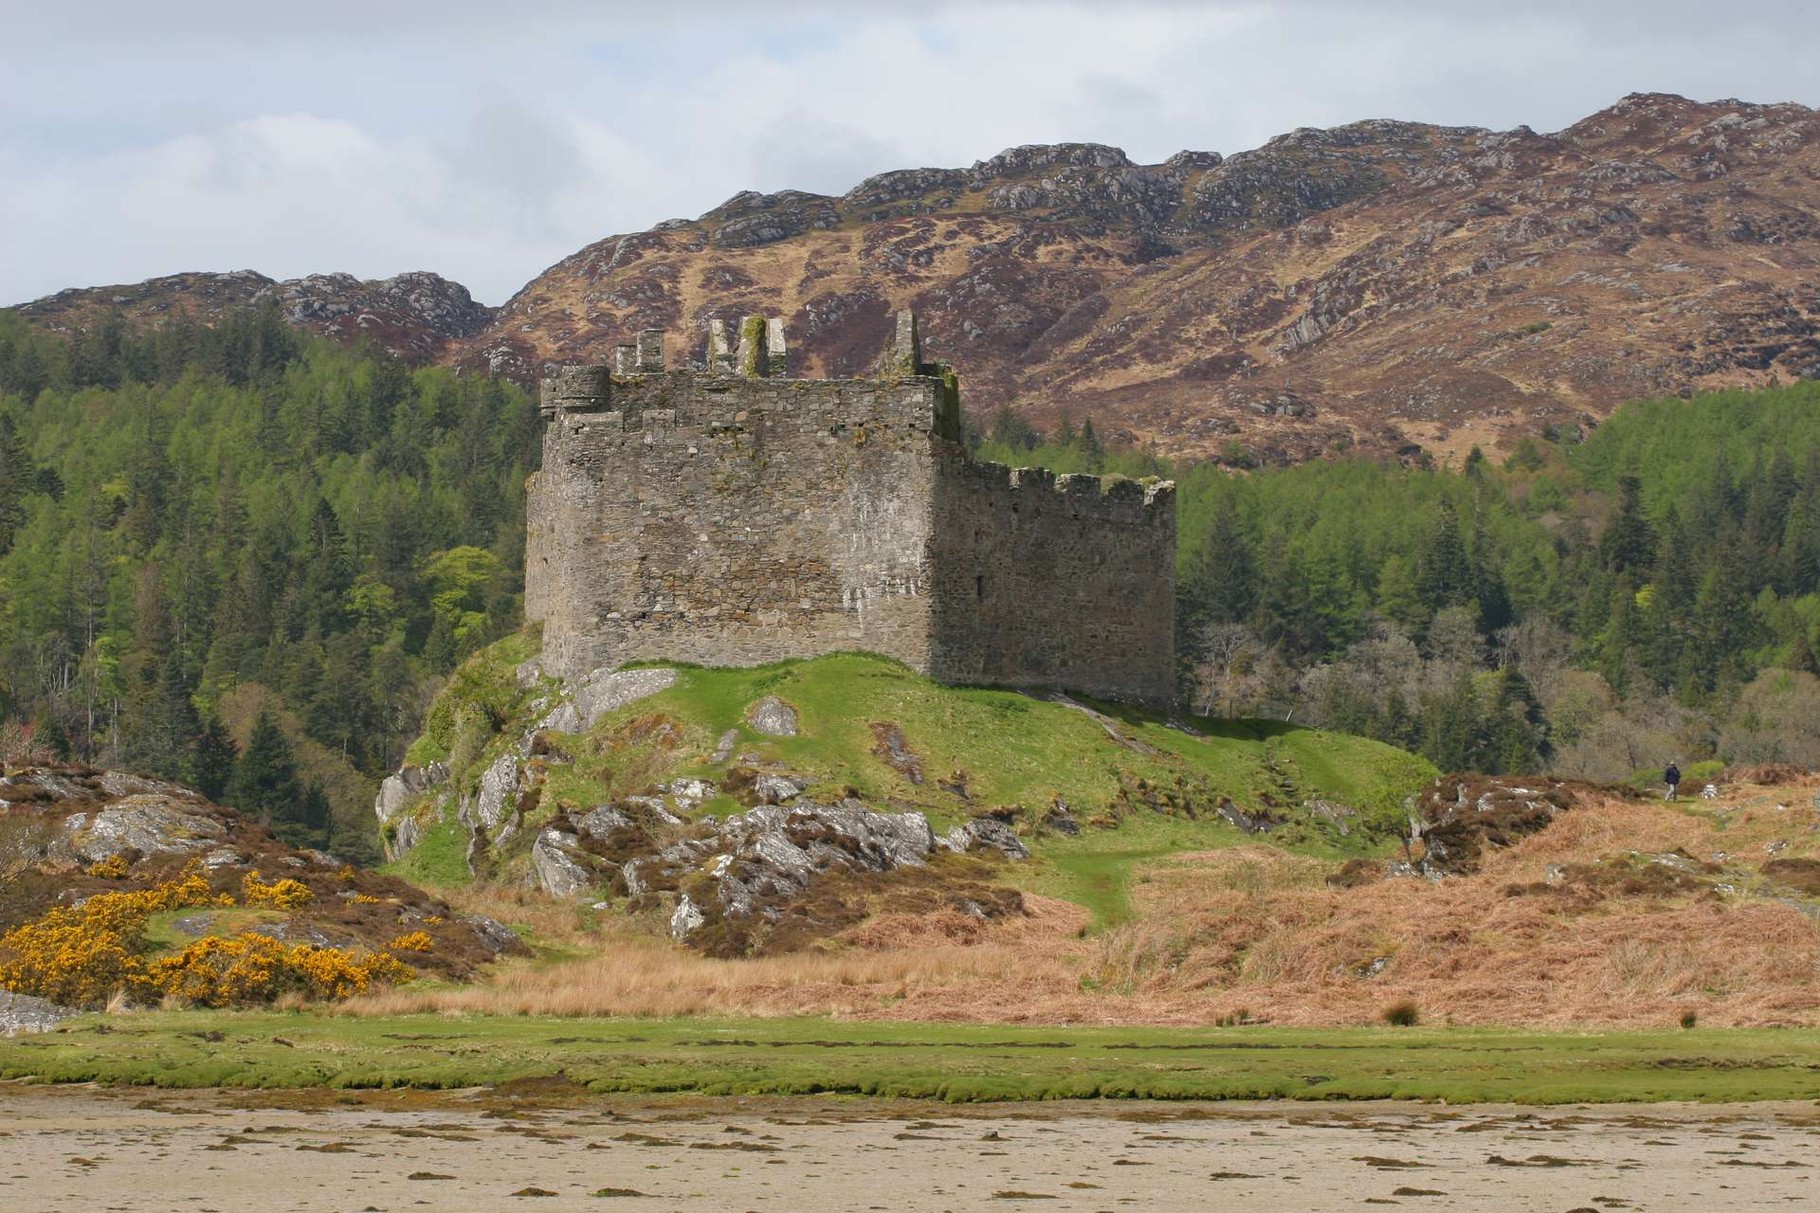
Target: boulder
602	820
554	859
606	691
398	790
777	789
772	717
23	1013
688	794
989	833
685	919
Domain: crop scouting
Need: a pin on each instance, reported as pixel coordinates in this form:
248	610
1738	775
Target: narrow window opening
979	587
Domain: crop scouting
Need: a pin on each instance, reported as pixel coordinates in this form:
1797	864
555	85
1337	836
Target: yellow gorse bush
112	868
79	955
82	955
281	894
414	941
252	968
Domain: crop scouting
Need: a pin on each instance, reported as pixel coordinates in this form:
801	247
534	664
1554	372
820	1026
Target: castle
732	515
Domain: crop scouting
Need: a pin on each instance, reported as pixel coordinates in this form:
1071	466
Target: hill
1377	284
1382	285
777	806
415	316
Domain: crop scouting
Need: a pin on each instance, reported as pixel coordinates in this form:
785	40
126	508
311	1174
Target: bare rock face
985	833
559	872
498	791
149	824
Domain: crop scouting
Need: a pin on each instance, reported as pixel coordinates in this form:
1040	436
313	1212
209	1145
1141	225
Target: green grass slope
1137	784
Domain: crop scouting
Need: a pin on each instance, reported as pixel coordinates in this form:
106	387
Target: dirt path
77	1150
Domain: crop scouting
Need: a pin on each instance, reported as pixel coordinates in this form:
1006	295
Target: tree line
1595	604
192	511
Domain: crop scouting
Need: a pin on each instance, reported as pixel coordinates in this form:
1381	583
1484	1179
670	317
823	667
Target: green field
955	1063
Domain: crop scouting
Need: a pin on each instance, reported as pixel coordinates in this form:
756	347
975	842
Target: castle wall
1047	581
729	520
732	516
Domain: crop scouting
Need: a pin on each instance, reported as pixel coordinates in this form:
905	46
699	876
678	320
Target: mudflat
85	1150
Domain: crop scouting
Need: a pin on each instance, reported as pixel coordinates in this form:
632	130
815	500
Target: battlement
724	513
1114	490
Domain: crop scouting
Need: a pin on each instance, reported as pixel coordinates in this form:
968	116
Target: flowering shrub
282	894
82	955
112	868
79	955
251	968
415	941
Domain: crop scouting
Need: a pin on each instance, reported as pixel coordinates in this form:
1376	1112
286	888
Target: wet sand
83	1150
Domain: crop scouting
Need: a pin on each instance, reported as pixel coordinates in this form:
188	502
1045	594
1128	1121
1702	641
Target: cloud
485	144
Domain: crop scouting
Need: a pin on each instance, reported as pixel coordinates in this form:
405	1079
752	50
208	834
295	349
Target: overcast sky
486	140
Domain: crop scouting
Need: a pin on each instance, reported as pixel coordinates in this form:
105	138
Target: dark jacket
1672	775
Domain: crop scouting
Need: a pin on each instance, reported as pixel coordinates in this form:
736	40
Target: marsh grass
953	1062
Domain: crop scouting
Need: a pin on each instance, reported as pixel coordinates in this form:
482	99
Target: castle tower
735	516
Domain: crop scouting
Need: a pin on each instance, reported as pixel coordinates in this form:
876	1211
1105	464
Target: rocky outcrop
415	316
1459	816
68	832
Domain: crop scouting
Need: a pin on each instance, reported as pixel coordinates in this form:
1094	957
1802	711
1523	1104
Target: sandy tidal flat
80	1150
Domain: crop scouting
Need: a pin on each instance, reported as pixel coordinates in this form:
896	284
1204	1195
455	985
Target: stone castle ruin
732	515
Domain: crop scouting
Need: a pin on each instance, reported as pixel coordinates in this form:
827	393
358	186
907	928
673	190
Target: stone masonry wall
1054	581
729	520
733	516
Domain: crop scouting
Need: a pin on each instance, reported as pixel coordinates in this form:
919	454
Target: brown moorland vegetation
1620	912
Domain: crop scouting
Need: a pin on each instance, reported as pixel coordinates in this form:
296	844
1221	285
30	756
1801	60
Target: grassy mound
1092	788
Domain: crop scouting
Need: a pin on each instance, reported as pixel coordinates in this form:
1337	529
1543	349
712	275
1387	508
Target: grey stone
723	749
606	691
777	789
20	1013
772	717
689	794
498	790
223	857
685	919
559	872
152	824
398	790
565	717
493	935
602	820
988	832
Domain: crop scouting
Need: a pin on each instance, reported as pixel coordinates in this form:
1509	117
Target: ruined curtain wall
1046	581
734	521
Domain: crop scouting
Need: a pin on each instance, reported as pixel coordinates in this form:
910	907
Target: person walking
1672	777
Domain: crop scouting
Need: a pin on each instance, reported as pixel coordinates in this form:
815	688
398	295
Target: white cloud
486	144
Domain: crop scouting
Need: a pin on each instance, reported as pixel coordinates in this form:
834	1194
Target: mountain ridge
1381	285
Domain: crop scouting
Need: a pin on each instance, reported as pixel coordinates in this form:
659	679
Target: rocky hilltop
1380	284
416	316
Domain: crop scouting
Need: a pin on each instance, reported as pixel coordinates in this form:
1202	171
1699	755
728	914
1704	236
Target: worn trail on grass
66	1150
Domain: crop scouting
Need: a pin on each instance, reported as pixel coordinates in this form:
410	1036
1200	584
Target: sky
486	141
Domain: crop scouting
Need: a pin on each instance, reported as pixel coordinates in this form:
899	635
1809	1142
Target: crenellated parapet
724	513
